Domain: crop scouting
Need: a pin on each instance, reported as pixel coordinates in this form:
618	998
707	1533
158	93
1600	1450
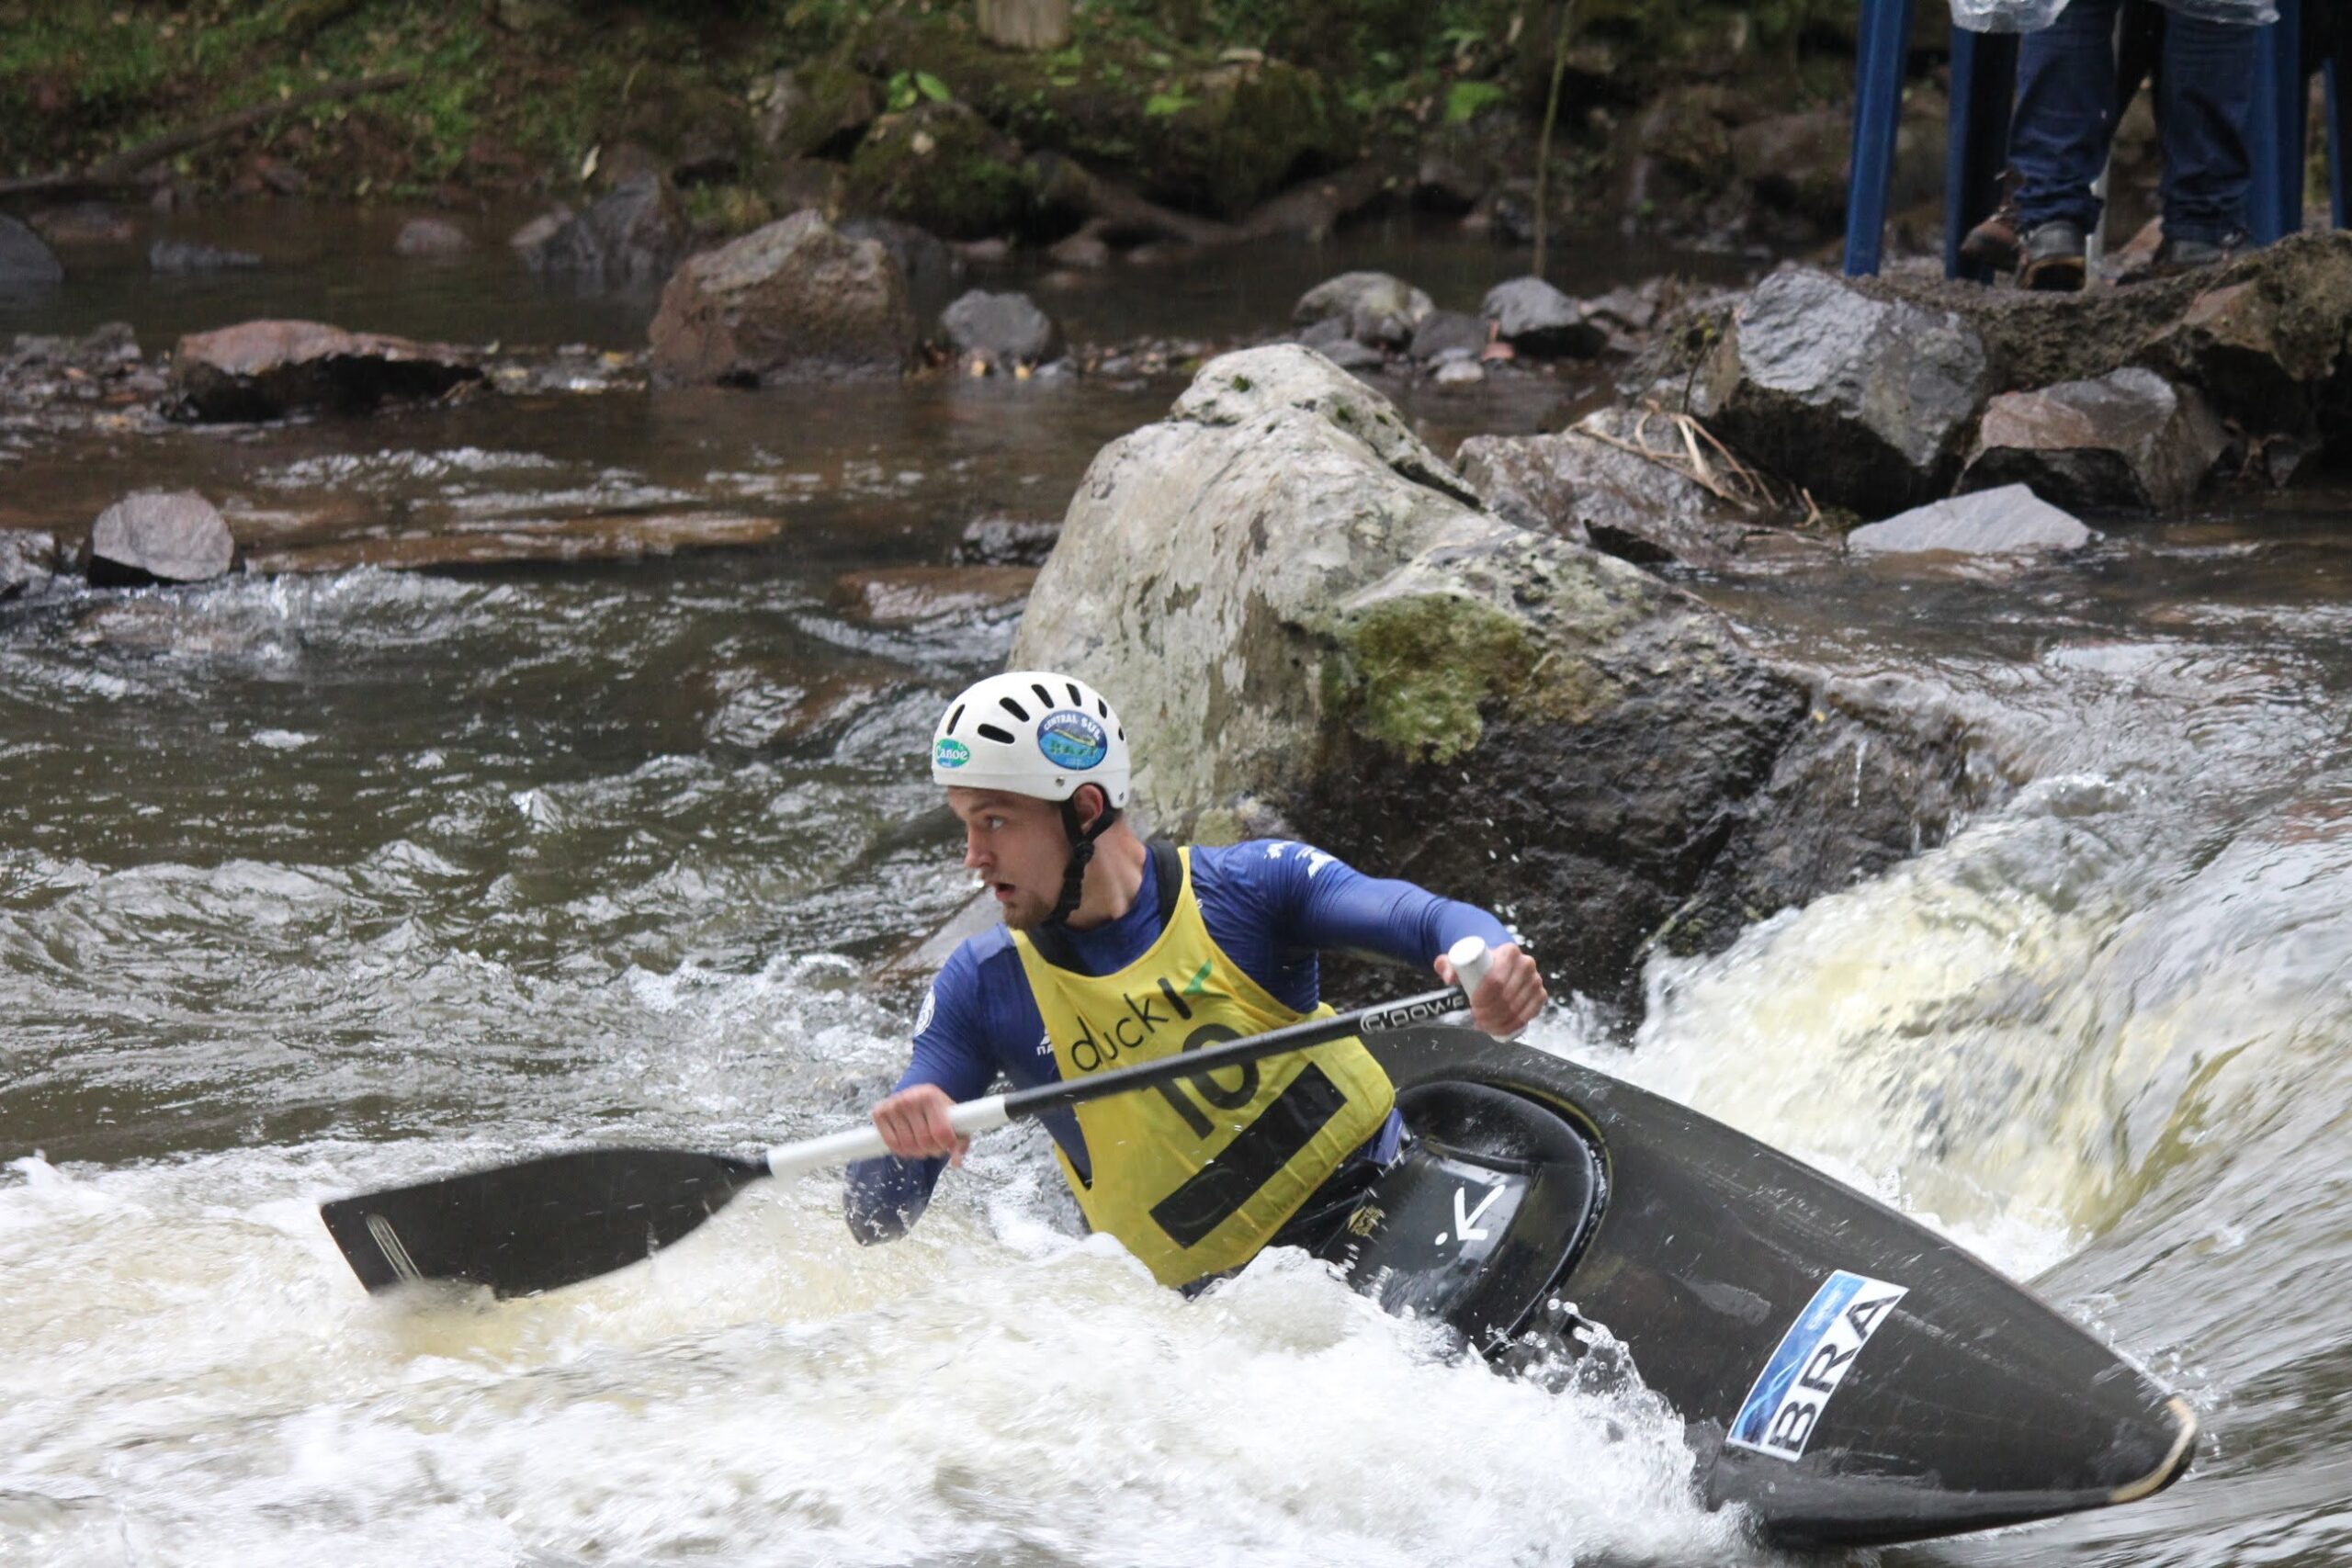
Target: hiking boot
2054	258
1993	244
2176	256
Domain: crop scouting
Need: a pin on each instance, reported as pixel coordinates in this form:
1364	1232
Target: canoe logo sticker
951	753
1072	739
1795	1385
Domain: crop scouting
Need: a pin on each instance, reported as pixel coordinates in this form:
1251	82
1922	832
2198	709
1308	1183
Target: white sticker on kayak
1794	1387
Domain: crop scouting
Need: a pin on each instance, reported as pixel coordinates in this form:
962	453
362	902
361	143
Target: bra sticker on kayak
1795	1385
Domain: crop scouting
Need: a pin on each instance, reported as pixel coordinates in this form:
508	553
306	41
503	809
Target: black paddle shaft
559	1219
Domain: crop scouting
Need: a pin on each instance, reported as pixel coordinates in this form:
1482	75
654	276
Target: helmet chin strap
1081	850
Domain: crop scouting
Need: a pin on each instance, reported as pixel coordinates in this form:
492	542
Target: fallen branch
1308	208
123	168
1728	479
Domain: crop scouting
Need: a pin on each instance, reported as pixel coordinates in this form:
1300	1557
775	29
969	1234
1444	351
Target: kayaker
1115	950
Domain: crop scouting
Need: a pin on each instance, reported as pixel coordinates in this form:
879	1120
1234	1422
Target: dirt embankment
1690	116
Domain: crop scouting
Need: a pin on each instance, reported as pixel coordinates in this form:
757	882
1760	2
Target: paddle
520	1229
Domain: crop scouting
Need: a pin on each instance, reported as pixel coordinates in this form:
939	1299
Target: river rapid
314	885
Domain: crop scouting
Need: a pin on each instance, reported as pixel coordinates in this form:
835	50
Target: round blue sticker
1072	739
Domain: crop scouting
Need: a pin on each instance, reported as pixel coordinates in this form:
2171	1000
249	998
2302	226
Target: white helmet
1034	733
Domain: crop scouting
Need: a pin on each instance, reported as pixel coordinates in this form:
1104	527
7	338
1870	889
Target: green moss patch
1416	669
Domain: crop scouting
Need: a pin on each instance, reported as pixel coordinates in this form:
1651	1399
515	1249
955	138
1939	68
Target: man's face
1018	847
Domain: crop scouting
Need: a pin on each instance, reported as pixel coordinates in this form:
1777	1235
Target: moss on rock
944	168
1416	670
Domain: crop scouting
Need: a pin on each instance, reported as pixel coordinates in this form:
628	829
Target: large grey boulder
28	560
265	369
795	301
1865	401
635	235
25	260
1380	312
1536	319
1593	484
2129	441
158	537
999	331
2011	521
1311	624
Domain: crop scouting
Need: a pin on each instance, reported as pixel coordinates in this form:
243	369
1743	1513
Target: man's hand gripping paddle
520	1229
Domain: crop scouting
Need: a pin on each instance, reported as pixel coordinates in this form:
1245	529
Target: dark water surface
314	884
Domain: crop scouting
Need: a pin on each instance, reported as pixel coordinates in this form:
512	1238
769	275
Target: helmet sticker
1072	739
950	753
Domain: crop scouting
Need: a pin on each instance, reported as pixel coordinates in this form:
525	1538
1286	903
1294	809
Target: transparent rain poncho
2032	15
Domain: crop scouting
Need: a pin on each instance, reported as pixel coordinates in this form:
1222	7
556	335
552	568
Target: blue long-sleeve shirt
1269	904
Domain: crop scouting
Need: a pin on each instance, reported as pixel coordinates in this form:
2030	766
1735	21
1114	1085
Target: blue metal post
2275	128
1885	44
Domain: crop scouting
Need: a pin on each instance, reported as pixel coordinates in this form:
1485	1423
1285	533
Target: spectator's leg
2064	122
2204	103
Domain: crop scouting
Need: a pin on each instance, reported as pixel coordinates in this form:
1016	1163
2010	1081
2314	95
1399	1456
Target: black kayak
1843	1373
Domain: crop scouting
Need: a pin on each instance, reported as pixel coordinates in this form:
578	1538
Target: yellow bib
1195	1176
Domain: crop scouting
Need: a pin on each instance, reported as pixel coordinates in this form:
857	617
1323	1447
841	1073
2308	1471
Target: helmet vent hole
1044	695
1123	732
955	718
990	732
1103	707
1076	700
1015	709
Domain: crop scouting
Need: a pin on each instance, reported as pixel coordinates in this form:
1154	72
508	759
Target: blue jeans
2066	109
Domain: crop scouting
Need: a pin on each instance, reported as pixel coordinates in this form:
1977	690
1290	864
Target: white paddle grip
865	1143
1471	960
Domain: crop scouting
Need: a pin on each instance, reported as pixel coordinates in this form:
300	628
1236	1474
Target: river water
314	885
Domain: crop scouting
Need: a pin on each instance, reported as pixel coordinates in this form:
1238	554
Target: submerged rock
1310	625
1380	312
1536	319
595	537
25	260
988	332
792	302
86	223
28	560
187	255
158	537
267	369
2129	441
899	596
932	268
1865	401
2007	522
431	238
636	234
1008	541
1448	335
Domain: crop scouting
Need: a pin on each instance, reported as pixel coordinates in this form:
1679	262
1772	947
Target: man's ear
1089	802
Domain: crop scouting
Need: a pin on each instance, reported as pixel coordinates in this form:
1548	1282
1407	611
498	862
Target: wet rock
1630	310
1864	400
1309	625
1459	374
2129	441
634	235
158	537
2007	522
1797	161
1085	253
943	167
85	224
532	238
25	261
28	560
104	346
988	332
187	255
431	237
792	302
1448	335
1591	484
1380	311
798	182
1538	320
2268	342
596	537
1007	541
787	704
899	596
932	268
267	369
